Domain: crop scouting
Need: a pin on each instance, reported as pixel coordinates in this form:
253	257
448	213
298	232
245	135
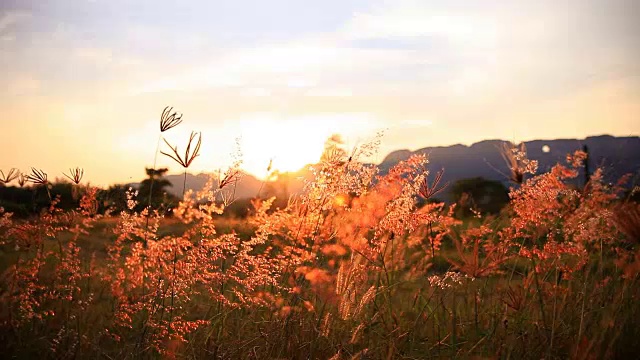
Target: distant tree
483	195
114	198
18	201
63	190
159	195
25	201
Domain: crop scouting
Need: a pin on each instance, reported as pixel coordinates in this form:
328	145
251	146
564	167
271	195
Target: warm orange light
340	200
285	146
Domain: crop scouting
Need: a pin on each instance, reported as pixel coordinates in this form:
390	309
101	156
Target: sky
84	82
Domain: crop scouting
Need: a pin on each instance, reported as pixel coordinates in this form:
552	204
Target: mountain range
616	155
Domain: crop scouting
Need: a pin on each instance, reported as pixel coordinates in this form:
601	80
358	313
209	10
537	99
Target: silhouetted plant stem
153	178
146	230
587	171
184	183
175	257
168	120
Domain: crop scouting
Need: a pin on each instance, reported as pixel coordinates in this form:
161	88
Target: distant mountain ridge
617	155
247	187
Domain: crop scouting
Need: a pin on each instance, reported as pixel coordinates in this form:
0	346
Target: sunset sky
84	82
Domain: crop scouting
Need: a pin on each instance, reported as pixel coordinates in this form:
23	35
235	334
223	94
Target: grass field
350	269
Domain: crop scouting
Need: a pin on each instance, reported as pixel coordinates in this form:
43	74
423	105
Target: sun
290	142
287	145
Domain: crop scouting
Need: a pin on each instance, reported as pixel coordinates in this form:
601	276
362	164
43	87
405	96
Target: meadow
360	265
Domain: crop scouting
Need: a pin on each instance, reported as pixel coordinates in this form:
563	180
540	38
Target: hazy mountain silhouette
617	155
247	187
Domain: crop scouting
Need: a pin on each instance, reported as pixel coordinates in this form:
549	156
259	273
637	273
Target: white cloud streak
10	18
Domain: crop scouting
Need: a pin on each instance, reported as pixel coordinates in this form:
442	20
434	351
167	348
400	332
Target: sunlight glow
85	84
291	143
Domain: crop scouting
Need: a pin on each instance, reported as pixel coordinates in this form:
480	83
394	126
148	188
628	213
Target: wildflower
448	280
517	162
131	198
577	159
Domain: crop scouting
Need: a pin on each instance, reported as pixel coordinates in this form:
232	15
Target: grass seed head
427	190
75	175
169	120
38	177
9	177
189	154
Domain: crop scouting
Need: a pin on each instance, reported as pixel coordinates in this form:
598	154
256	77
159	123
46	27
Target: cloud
404	19
535	48
317	67
11	18
452	60
455	52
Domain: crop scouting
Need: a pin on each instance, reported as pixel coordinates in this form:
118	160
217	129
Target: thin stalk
539	291
155	162
46	186
173	280
453	324
553	320
184	183
584	296
475	310
601	258
513	270
146	234
433	248
146	227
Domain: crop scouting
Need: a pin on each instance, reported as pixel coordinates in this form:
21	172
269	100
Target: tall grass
351	268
